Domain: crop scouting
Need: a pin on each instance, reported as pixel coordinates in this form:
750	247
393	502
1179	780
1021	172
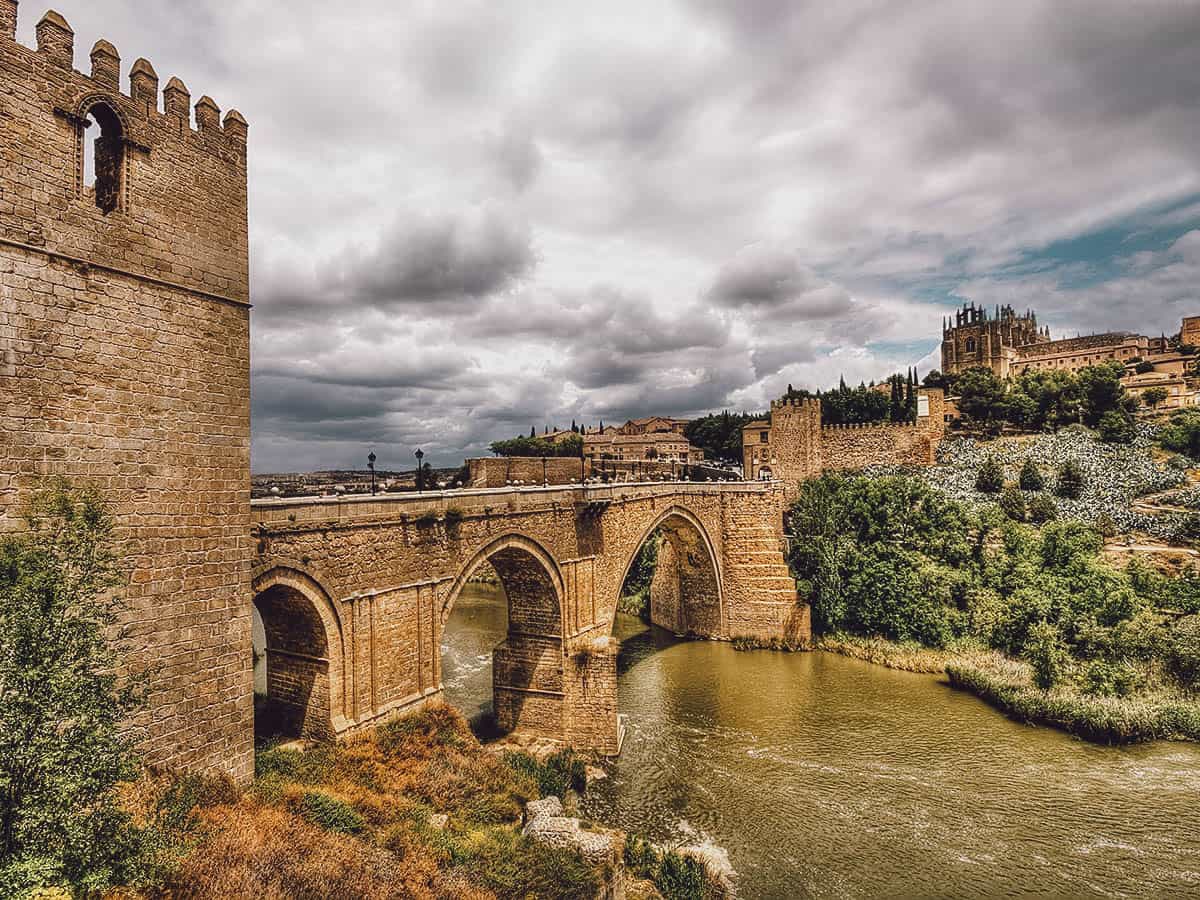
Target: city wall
800	447
124	360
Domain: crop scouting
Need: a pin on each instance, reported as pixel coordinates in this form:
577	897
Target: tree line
1046	400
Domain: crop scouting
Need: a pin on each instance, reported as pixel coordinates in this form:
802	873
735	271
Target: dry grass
268	853
358	820
1007	684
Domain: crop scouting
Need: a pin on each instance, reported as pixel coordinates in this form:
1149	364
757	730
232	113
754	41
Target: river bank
1007	684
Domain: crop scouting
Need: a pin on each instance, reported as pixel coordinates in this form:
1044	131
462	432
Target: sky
470	218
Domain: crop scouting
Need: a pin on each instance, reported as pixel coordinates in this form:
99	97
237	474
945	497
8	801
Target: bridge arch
687	590
527	666
305	659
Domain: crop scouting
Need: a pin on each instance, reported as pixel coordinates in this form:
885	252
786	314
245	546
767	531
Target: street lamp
420	455
371	466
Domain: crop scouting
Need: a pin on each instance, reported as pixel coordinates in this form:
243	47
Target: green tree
1154	396
1042	510
1116	427
1012	503
1031	478
1046	654
980	394
62	703
1070	481
1182	434
1101	390
990	477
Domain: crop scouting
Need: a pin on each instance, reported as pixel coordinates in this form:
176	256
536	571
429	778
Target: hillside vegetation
1033	618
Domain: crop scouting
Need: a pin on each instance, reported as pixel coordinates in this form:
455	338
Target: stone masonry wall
799	447
124	360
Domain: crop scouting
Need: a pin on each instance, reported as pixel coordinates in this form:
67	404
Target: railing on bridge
282	510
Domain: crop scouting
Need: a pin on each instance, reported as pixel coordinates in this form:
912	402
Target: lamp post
371	465
420	455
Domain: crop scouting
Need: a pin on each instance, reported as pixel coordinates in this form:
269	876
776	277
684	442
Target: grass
674	876
747	642
415	809
1157	713
908	657
1007	685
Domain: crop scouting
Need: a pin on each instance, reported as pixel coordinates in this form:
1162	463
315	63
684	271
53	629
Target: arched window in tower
971	345
103	157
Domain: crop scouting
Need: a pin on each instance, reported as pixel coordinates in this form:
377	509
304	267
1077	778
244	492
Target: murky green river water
824	776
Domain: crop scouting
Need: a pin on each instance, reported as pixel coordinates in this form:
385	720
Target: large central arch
686	593
528	690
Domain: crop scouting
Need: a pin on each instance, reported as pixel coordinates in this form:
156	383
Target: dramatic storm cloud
468	218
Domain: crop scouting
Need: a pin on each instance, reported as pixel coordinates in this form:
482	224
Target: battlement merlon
166	200
56	44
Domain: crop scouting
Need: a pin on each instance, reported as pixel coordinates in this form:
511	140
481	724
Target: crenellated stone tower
124	358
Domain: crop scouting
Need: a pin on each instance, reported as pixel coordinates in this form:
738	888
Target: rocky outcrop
546	824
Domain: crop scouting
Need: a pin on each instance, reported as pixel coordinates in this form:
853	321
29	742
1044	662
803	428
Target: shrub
1046	654
1070	480
1182	434
990	477
1111	679
1042	510
1116	427
1183	653
331	813
1031	478
63	750
559	773
1012	504
676	876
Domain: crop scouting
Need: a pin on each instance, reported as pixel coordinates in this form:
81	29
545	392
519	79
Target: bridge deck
297	510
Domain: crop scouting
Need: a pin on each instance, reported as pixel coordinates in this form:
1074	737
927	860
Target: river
823	776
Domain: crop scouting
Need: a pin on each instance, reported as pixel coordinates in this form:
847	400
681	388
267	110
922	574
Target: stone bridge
354	594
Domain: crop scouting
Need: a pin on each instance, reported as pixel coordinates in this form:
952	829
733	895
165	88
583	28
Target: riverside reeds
1007	685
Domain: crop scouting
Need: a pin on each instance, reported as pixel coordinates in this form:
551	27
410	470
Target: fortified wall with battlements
124	358
794	445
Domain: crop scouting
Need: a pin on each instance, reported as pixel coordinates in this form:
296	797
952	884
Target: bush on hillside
990	478
1042	510
1012	504
1116	427
1031	478
1070	480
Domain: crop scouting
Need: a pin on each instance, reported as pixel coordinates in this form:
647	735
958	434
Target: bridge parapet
297	511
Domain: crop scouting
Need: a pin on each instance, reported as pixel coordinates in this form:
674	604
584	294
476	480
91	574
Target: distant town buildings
651	438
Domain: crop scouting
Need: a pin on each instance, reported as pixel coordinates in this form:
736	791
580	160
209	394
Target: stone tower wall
796	439
124	360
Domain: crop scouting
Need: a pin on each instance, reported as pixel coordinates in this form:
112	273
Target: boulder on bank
545	823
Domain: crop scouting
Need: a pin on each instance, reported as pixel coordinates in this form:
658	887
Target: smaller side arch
305	637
